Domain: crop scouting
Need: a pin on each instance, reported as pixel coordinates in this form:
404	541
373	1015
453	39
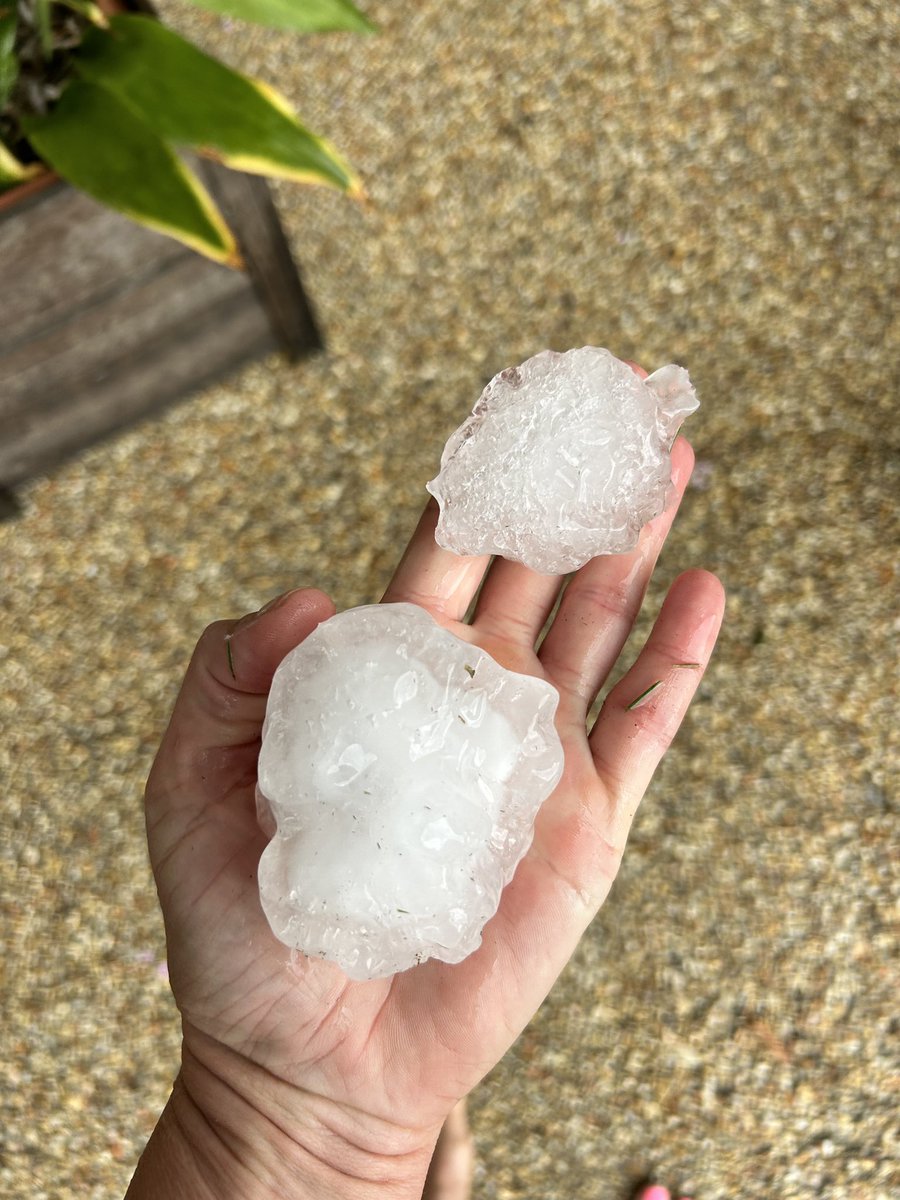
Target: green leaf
192	100
9	64
87	9
12	171
641	700
307	16
42	20
102	147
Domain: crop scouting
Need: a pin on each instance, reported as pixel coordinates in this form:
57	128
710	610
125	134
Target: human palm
402	1050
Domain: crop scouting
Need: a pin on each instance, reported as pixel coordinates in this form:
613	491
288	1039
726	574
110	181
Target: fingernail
657	1192
274	603
229	655
251	618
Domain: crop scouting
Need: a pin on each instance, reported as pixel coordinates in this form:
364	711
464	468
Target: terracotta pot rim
31	187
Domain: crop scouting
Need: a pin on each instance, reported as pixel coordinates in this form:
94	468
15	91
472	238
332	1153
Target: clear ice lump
401	771
563	458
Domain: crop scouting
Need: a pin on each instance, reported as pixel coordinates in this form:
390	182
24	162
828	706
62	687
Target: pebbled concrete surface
705	183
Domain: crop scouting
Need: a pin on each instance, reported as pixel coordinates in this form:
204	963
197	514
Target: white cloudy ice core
403	769
563	458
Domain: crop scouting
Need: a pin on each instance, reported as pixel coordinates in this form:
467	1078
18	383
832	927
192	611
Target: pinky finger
643	712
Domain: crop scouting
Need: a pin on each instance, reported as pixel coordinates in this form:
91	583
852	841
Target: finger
638	370
453	1162
599	607
642	713
434	578
222	701
438	580
514	602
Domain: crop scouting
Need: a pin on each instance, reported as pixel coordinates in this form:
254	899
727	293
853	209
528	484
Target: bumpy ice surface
563	458
402	769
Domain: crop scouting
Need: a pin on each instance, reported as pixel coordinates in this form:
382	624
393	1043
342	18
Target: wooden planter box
103	321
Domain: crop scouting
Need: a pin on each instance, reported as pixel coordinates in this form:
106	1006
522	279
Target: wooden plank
62	228
247	205
220	338
103	321
42	373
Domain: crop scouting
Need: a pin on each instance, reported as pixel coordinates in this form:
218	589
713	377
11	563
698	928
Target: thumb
217	720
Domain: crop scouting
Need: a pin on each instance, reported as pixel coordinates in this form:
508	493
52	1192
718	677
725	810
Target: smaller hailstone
563	458
403	769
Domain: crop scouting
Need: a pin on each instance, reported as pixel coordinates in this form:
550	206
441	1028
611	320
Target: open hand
345	1085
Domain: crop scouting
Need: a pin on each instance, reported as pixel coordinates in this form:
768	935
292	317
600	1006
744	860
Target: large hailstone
403	769
563	458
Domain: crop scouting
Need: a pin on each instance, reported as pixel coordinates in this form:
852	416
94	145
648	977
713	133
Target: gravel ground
707	183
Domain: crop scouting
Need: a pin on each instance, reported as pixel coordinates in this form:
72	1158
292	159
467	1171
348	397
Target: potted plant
99	103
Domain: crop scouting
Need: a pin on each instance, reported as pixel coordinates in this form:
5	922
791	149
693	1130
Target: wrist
233	1131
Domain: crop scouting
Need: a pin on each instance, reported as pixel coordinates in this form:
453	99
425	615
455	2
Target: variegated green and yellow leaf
192	100
98	144
88	9
306	16
12	171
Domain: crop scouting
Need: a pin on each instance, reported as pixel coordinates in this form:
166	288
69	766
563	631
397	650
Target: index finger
436	579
